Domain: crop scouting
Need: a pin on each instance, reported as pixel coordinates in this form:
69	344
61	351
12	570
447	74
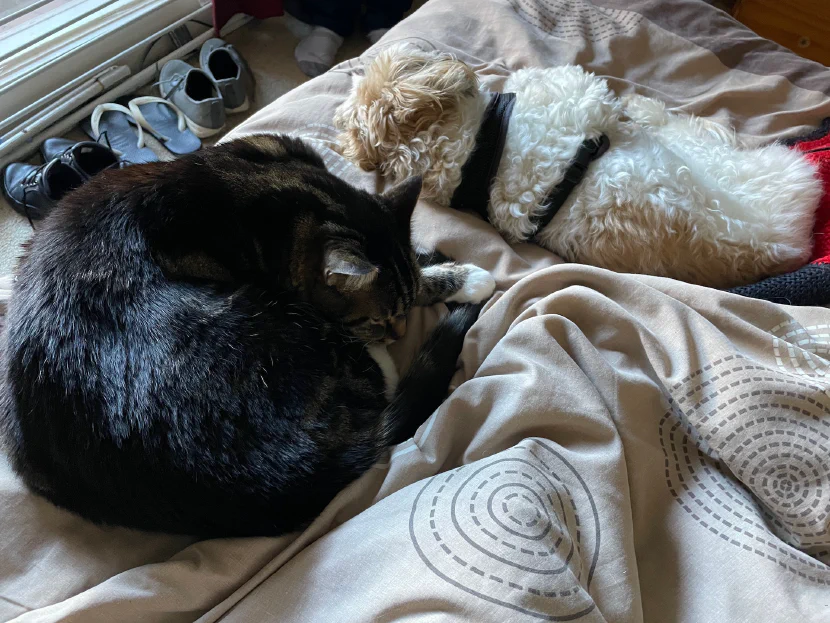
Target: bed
616	447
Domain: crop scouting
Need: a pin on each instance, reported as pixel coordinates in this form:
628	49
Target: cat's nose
397	328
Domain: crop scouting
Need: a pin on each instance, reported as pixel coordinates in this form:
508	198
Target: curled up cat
198	346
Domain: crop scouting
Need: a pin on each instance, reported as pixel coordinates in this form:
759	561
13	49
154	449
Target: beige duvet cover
617	448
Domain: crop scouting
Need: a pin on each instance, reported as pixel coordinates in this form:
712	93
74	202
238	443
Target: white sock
374	35
315	53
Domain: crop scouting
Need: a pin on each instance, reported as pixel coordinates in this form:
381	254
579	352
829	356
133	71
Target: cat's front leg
380	354
454	283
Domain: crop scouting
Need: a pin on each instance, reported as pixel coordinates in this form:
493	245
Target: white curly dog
674	195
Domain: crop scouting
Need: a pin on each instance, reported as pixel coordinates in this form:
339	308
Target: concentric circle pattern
576	19
802	350
519	530
747	450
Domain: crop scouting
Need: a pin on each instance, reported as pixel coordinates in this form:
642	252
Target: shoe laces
26	190
33	176
29	184
177	82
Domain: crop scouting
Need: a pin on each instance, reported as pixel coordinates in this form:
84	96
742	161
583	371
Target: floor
267	45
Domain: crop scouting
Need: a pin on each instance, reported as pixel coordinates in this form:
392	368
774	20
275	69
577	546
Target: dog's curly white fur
675	195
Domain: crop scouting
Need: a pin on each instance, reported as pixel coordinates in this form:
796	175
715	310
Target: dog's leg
454	283
644	110
652	113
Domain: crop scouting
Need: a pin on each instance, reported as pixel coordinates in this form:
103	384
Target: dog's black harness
480	170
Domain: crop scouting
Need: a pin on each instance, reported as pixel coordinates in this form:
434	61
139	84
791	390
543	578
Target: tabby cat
197	346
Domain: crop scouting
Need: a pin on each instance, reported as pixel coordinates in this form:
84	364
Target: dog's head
405	116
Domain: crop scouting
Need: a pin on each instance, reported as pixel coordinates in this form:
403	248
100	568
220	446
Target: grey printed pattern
751	465
323	138
576	20
802	350
519	530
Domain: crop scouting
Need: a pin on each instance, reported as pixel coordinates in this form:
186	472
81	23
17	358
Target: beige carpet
268	47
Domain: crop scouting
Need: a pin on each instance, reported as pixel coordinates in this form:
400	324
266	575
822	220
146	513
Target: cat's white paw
478	286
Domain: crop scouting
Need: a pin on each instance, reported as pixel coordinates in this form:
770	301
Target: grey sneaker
229	72
193	92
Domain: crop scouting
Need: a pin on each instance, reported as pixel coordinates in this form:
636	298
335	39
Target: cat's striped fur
189	346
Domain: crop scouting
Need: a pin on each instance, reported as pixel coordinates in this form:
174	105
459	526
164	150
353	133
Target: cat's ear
347	270
402	199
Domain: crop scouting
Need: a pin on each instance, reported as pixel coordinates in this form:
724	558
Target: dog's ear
405	91
353	120
422	86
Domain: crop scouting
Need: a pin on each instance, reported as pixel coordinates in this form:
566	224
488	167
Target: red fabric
223	10
818	152
810	284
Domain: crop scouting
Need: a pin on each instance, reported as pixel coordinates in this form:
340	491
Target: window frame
50	67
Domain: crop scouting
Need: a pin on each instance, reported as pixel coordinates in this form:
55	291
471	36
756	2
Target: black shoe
34	190
87	158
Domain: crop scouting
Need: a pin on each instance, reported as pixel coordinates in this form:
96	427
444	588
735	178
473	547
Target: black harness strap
478	173
589	151
480	170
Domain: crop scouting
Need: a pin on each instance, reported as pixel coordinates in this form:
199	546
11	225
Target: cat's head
368	276
351	254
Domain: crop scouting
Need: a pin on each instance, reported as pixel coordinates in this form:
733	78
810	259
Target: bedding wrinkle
607	453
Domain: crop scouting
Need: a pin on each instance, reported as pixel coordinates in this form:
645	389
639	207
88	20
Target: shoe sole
245	106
